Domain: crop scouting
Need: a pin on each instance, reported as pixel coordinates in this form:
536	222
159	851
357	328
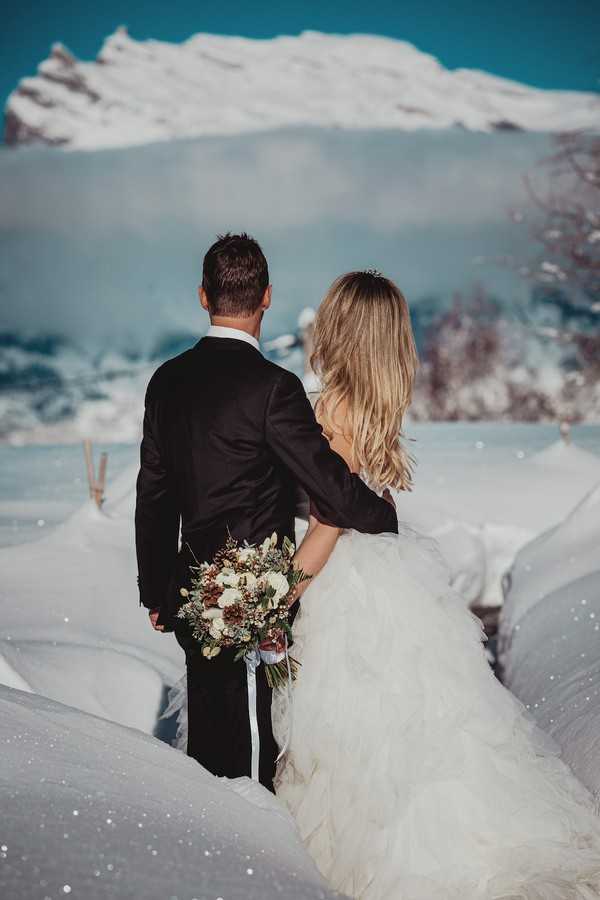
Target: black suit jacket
227	434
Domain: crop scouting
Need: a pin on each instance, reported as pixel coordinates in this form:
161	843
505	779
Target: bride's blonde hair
365	357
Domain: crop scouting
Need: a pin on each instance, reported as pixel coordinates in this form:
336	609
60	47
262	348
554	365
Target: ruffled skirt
412	773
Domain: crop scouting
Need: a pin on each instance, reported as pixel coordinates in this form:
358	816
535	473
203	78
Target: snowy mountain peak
60	56
138	92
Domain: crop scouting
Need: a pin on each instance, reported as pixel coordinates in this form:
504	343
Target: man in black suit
228	435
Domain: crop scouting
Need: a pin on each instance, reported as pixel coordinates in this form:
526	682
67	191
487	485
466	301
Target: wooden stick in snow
96	486
102	473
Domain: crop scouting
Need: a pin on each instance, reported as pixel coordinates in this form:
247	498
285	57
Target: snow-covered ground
41	486
142	91
93	810
71	633
484	490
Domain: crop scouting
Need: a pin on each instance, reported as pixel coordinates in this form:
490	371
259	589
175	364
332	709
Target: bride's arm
320	539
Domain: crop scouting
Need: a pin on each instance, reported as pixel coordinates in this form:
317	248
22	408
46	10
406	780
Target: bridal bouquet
241	599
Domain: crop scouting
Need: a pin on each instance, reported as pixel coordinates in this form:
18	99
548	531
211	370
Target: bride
412	773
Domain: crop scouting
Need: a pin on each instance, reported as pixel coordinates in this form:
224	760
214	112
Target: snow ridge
139	92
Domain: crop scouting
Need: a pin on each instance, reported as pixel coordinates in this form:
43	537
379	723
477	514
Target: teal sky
540	42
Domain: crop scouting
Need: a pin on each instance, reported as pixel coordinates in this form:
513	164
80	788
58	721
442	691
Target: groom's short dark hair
235	275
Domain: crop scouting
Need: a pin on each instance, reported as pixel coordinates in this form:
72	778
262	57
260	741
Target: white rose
245	554
229	596
280	585
228	579
216	627
213	613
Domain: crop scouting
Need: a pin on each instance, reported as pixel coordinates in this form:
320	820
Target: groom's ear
203	298
266	300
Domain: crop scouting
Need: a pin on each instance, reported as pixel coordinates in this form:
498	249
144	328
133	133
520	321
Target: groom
227	436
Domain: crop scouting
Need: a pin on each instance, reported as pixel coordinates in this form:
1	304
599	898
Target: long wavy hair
365	357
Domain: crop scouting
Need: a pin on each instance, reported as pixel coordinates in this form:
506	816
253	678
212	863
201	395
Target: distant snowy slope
138	92
97	811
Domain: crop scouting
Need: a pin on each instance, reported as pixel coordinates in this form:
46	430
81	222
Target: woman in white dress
412	773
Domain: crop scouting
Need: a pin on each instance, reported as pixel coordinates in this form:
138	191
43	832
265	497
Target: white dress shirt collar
224	331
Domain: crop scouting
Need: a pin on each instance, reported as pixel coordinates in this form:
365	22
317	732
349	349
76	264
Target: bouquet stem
277	673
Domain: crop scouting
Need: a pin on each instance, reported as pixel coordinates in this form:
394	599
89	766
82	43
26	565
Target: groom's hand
153	619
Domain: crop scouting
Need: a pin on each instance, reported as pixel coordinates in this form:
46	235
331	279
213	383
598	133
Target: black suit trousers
218	715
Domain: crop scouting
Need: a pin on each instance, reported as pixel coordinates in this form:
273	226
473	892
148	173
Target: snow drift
137	92
485	501
71	626
550	634
91	809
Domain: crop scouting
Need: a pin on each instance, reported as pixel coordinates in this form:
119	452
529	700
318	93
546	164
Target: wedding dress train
412	773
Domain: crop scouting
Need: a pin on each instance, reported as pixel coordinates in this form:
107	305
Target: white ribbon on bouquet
253	659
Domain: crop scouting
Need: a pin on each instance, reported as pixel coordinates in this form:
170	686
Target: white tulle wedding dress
412	773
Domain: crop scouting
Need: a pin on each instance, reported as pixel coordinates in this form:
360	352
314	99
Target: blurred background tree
473	353
569	202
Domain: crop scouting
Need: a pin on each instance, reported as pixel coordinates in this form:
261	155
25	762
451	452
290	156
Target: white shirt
224	331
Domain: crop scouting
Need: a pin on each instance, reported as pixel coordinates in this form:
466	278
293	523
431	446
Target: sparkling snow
95	810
